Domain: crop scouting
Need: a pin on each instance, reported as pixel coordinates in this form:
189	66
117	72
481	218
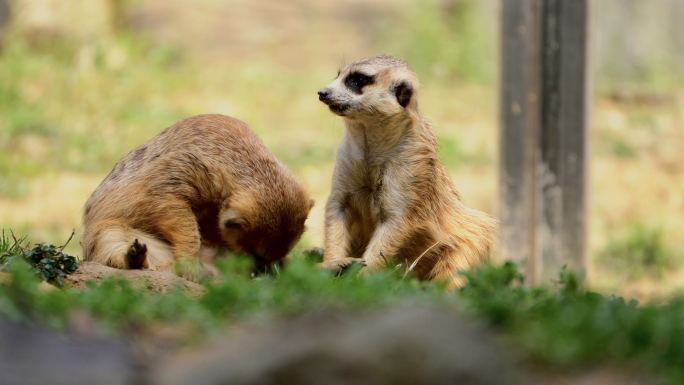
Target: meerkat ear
403	91
311	203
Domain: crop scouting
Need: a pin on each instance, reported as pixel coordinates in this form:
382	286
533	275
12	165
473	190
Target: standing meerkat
203	184
391	198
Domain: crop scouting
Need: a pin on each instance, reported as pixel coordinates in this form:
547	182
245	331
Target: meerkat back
206	182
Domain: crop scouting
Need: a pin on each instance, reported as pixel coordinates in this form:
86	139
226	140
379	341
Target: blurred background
84	81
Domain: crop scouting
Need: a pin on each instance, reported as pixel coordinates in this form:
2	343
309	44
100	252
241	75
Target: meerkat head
265	225
377	86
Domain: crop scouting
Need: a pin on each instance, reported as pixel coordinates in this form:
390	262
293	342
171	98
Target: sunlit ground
67	113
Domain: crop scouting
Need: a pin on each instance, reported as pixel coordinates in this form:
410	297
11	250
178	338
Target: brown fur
203	184
391	199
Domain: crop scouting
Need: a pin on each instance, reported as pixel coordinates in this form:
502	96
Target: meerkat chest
366	192
370	176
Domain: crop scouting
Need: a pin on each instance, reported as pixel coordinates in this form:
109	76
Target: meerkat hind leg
136	256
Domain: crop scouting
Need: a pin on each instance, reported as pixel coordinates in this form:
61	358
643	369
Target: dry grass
85	105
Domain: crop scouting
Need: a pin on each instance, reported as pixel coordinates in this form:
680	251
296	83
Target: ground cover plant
47	261
562	325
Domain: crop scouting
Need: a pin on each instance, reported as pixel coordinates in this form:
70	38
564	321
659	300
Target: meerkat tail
126	248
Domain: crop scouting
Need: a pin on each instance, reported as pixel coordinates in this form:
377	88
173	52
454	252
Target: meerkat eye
355	81
233	224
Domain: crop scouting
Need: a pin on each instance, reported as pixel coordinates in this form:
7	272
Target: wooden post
4	18
519	118
543	134
561	163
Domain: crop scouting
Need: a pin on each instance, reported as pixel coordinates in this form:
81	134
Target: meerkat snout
323	95
338	103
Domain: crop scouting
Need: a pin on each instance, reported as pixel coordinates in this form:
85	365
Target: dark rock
34	356
399	345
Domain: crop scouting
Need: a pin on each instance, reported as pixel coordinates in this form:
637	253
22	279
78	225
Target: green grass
446	41
641	250
39	86
118	305
568	326
11	247
561	326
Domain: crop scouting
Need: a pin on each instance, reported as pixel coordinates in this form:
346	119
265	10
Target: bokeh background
84	81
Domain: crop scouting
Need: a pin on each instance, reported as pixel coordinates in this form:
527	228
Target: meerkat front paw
339	265
376	263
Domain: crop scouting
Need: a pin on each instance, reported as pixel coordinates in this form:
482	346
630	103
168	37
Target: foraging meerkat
203	184
391	197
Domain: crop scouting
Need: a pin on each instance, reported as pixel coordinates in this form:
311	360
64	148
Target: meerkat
204	184
391	198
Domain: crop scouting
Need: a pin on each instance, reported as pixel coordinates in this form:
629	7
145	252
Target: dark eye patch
355	81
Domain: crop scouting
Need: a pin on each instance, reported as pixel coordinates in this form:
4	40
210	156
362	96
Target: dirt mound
159	281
